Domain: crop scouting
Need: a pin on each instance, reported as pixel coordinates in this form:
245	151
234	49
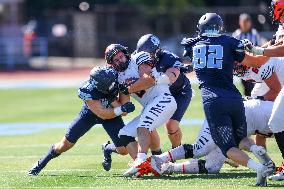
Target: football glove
123	89
128	107
186	69
251	48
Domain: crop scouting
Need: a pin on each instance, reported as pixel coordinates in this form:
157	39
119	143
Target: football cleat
139	168
267	169
107	156
35	170
279	175
154	166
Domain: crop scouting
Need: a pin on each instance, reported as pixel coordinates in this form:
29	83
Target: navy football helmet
111	51
210	25
105	80
149	43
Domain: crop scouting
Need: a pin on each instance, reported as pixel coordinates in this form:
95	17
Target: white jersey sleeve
261	73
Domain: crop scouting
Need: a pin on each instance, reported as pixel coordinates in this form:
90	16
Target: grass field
81	166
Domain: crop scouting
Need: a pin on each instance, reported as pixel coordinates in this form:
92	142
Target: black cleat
35	170
107	156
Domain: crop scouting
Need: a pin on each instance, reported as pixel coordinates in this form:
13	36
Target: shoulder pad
189	41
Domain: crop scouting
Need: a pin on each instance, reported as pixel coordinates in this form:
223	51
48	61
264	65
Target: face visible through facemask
119	61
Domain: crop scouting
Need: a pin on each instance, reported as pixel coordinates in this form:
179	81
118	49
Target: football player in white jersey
257	115
275	50
138	78
157	101
266	76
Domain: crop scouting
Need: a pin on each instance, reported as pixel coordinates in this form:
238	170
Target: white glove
251	48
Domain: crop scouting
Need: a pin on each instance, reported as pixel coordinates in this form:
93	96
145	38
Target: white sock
141	157
253	148
111	146
253	165
173	154
189	167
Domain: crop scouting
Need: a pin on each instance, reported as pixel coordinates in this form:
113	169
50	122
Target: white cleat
155	165
267	169
133	170
167	168
278	176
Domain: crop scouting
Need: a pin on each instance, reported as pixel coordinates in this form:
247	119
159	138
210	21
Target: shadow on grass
204	176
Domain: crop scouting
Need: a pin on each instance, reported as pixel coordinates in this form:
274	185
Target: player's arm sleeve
174	64
238	49
188	44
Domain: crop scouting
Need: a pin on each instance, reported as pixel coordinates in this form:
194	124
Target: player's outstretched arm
274	51
271	51
254	61
108	113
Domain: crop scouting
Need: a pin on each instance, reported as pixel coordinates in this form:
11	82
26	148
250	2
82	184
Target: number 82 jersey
213	59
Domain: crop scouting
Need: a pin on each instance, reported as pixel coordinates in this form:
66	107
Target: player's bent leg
155	145
63	146
54	151
259	151
174	132
81	124
182	99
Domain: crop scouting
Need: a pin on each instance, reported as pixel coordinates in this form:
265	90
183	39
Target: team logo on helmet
155	40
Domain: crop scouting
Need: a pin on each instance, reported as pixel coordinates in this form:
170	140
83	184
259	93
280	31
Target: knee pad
125	140
188	150
201	166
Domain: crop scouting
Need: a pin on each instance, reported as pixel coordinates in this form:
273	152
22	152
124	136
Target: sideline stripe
9	129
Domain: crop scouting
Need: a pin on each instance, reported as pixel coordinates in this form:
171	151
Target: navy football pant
183	99
227	121
87	119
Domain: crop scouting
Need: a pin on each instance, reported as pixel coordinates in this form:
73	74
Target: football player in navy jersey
170	64
101	107
213	56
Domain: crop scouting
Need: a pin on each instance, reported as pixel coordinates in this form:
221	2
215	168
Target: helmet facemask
111	51
120	61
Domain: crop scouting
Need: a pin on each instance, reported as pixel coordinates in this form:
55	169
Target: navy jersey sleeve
170	60
188	44
88	91
238	49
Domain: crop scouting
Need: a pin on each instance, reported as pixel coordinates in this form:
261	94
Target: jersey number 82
209	56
